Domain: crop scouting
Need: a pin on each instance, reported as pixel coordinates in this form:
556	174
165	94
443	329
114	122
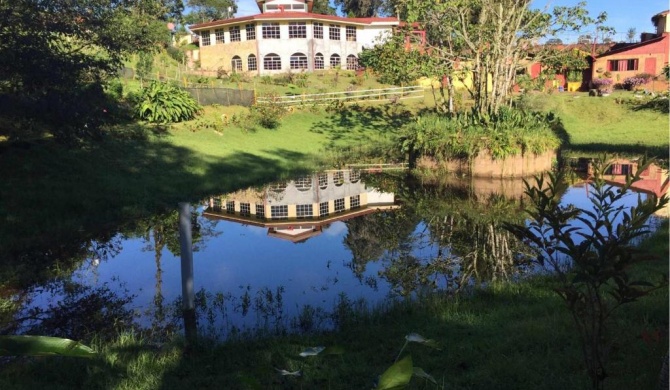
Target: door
650	65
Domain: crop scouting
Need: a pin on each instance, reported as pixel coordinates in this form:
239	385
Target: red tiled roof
272	16
616	50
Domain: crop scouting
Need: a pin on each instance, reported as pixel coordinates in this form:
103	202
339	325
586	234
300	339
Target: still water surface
292	256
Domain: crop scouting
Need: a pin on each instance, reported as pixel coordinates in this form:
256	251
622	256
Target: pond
293	256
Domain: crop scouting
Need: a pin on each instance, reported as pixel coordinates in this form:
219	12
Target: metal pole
188	294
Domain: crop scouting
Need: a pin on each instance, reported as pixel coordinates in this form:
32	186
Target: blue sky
622	14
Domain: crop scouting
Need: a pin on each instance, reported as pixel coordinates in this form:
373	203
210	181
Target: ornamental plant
631	82
165	103
602	84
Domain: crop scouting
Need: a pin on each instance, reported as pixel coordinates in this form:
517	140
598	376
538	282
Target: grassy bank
616	124
508	336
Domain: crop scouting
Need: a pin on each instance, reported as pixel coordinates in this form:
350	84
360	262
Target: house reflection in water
302	208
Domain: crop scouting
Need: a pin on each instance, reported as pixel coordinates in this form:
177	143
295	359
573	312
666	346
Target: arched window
236	64
298	61
251	62
334	60
272	61
352	62
318	61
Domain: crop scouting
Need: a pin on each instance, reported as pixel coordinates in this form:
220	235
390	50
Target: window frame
250	31
272	58
319	61
205	38
219	36
270	30
298	61
334	33
235	34
339	60
236	64
297	30
352	64
317	30
249	62
349	34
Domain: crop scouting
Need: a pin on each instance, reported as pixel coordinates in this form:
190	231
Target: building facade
648	56
287	36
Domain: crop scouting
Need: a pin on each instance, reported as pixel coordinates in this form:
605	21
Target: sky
621	14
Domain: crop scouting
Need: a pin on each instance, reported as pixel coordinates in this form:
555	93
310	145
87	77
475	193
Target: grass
507	336
596	125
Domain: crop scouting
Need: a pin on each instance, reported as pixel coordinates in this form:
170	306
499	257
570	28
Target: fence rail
382	94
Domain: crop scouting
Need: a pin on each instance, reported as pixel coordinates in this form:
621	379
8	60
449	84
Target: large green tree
323	7
489	39
56	55
360	8
208	10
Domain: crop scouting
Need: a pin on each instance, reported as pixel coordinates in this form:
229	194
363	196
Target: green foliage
43	346
464	135
396	65
56	52
176	54
165	103
145	63
593	262
268	115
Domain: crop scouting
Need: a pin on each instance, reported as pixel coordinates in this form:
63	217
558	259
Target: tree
554	41
631	34
208	10
395	63
360	8
57	55
323	7
487	39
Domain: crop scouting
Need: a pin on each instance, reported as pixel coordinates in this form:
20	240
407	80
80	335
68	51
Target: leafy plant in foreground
165	103
592	262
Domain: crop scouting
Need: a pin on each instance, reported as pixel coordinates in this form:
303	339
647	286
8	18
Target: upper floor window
219	36
334	32
205	39
622	65
271	31
235	34
297	30
351	33
251	31
318	30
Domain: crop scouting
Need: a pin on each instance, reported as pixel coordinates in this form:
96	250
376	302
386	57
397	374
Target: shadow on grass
596	149
56	200
356	122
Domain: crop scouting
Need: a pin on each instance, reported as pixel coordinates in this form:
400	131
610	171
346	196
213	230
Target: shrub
165	103
631	82
176	54
507	133
145	63
268	114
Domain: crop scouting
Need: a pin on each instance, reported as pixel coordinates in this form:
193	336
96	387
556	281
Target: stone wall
484	165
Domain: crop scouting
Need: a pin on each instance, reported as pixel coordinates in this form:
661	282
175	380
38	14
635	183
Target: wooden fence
392	94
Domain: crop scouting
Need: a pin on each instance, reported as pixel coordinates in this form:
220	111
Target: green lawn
595	125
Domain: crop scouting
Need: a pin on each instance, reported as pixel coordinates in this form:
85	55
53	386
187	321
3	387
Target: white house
287	36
